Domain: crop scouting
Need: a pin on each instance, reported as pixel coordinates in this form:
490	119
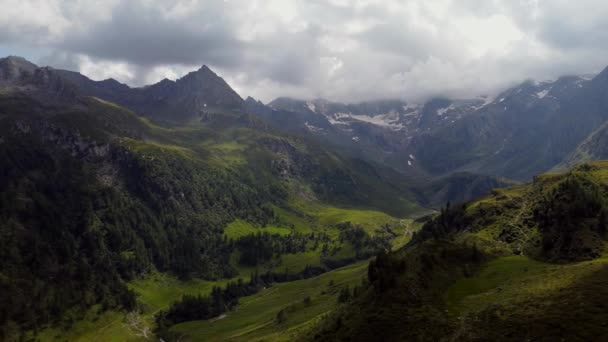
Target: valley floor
255	317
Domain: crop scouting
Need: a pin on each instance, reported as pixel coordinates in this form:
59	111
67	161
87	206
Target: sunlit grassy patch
513	279
255	317
239	228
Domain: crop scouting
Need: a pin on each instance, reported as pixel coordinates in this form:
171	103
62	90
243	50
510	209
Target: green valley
177	211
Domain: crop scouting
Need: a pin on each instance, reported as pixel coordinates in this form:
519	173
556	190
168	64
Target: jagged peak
602	76
18	63
205	68
17	60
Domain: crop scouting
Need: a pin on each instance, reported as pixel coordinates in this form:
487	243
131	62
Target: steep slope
195	95
525	263
94	196
17	75
595	147
526	130
457	188
15	68
378	130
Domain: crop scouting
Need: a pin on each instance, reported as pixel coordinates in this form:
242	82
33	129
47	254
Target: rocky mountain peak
13	68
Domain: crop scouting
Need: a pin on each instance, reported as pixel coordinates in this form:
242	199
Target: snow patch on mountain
541	94
442	111
389	120
385	120
311	106
313	128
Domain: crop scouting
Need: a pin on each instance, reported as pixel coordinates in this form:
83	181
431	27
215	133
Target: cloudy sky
348	50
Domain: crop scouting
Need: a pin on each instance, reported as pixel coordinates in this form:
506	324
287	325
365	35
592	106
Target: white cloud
341	49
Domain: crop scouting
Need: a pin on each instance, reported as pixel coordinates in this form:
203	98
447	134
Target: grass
300	222
239	228
254	318
295	263
107	326
158	291
155	292
512	279
327	216
228	152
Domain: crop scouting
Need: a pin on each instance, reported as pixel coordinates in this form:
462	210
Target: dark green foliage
406	301
258	248
75	224
383	271
192	308
452	219
344	295
281	316
573	219
55	252
365	245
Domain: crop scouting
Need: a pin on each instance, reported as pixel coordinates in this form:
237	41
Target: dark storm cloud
145	35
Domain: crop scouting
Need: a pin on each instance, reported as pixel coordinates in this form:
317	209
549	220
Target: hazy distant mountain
21	76
195	95
522	131
526	130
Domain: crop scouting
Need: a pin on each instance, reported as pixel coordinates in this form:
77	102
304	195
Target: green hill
94	197
524	263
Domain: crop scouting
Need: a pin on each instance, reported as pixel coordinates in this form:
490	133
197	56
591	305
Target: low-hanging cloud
347	50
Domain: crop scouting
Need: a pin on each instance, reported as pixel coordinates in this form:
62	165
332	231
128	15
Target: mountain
126	210
21	76
524	263
526	129
457	188
195	95
95	197
15	68
379	131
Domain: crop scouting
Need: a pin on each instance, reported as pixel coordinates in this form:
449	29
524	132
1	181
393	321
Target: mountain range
524	130
110	192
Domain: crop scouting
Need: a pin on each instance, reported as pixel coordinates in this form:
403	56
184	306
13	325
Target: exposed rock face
525	130
13	69
193	96
43	84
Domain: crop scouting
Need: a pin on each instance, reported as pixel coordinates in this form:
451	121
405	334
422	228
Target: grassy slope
239	228
255	317
517	298
511	296
158	291
513	279
155	292
230	149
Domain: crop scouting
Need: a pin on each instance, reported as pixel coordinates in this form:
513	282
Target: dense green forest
92	197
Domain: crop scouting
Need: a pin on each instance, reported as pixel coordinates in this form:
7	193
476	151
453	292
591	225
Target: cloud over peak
338	49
